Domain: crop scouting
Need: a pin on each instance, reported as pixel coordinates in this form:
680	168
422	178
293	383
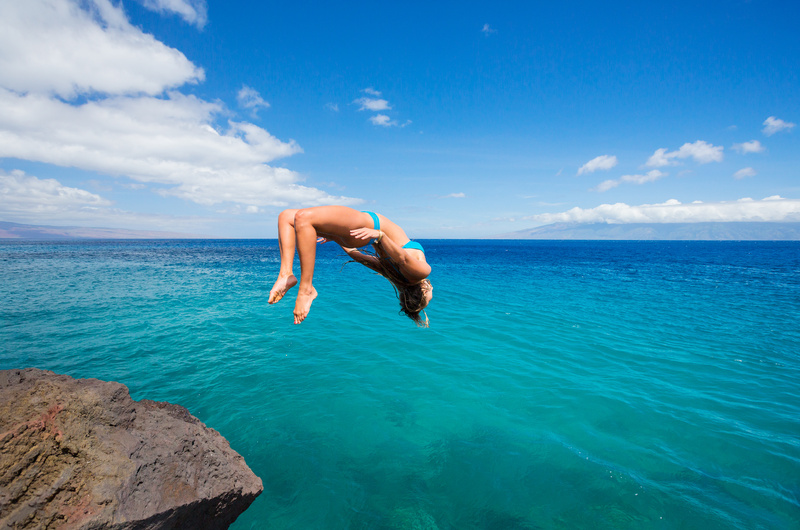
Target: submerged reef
81	454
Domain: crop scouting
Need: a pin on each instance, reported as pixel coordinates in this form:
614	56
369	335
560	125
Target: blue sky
453	119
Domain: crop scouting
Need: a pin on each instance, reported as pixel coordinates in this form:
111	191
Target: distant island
743	231
732	231
23	231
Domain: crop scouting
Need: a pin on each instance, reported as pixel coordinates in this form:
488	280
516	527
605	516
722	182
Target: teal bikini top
414	244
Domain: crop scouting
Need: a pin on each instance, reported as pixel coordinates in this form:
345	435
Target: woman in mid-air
397	258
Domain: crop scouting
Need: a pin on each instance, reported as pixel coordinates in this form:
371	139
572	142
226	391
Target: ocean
561	385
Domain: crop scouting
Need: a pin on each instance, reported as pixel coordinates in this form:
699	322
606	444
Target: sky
455	120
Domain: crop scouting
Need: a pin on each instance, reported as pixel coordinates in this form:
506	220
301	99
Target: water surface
562	384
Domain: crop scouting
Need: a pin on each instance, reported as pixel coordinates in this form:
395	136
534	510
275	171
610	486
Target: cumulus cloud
129	121
603	162
192	11
372	104
487	30
23	194
744	173
774	125
702	152
773	209
56	47
164	141
249	98
753	146
382	119
28	199
650	176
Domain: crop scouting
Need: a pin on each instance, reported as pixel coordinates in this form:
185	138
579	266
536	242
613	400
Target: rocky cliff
81	454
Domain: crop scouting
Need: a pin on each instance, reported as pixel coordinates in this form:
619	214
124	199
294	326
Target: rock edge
81	454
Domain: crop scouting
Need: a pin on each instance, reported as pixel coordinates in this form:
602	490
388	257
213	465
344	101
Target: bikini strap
375	220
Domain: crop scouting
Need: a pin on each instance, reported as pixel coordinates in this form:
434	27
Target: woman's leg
335	221
287	242
306	236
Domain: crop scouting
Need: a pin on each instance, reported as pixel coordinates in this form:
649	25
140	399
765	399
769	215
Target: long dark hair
411	295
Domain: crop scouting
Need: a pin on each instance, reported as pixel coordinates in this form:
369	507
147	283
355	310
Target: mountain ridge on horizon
9	230
703	231
706	231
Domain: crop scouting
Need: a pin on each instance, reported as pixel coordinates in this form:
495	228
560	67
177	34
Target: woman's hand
322	240
365	233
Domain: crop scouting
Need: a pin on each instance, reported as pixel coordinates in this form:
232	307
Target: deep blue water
603	385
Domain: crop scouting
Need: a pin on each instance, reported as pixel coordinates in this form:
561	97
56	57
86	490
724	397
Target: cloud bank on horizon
769	209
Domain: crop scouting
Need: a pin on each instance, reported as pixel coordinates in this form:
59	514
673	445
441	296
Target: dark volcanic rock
81	454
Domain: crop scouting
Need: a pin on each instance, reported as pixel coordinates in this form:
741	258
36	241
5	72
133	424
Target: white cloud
28	199
753	146
332	107
23	194
603	162
55	47
745	172
773	208
382	119
127	125
376	104
702	152
650	176
238	209
659	159
487	30
773	125
249	98
459	195
607	185
192	11
372	104
165	141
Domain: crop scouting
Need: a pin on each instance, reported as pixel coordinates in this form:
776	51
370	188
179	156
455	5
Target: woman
398	259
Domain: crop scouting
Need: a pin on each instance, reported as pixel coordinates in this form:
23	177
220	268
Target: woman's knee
287	216
304	217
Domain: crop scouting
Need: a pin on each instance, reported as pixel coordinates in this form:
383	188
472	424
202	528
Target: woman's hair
411	296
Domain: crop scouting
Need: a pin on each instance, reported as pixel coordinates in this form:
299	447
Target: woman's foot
303	304
282	285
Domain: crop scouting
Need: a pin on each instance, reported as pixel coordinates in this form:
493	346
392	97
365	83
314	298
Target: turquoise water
562	384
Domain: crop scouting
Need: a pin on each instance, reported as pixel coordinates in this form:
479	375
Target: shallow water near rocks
562	384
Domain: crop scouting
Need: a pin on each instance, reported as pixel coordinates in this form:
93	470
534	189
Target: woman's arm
367	260
412	269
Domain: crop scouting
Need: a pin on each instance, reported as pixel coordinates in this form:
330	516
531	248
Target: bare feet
282	285
303	304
